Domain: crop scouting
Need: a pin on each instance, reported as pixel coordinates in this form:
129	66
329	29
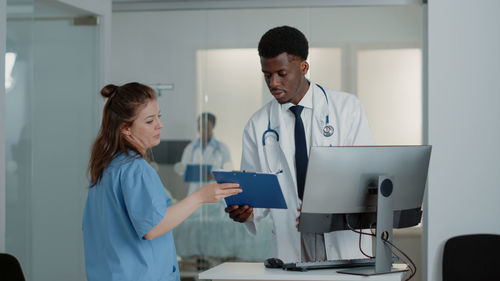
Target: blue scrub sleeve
145	198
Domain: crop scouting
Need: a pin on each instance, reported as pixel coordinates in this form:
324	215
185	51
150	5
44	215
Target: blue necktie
300	150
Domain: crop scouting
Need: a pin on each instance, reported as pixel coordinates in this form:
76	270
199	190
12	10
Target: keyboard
303	266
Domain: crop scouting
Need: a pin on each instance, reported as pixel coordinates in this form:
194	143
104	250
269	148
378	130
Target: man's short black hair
207	116
283	39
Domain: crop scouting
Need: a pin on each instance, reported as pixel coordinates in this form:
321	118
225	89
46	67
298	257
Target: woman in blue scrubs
128	215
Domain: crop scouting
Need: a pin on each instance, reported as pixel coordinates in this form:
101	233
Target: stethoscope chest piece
328	131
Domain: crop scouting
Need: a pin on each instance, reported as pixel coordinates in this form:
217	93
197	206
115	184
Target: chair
472	257
10	268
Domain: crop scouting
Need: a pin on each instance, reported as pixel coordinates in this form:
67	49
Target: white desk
257	271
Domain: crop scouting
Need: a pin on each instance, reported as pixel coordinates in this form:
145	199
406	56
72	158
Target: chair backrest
472	257
10	268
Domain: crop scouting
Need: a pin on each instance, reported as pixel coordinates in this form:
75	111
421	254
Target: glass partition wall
51	101
18	138
206	61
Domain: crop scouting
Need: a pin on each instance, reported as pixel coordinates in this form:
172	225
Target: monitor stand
383	253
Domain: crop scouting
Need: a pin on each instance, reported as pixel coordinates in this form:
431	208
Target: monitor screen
169	151
341	186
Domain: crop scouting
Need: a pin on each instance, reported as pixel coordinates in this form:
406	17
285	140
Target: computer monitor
364	187
169	151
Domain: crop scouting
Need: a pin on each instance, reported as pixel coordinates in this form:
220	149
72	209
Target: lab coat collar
306	101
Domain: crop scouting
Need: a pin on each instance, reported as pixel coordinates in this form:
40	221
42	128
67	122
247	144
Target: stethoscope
327	129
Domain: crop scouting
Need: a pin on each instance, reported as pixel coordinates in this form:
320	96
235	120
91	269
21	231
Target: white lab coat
216	153
347	116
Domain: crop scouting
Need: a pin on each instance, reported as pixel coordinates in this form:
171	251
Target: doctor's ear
304	67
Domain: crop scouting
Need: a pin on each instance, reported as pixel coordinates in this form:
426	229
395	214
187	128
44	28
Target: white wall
390	87
3	24
464	123
160	47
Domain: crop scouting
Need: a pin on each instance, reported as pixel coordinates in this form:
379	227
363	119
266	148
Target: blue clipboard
260	190
197	172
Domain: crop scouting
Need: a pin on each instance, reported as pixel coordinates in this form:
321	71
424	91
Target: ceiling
155	5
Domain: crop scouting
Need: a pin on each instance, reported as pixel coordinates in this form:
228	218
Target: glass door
50	123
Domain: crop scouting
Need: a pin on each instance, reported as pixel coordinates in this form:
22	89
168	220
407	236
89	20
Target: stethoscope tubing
269	130
327	130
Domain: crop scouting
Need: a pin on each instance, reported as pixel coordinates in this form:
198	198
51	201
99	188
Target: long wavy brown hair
123	104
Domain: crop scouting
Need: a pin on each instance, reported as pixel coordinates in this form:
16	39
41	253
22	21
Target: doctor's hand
214	192
239	213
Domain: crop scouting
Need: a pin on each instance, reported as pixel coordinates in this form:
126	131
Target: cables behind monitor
409	262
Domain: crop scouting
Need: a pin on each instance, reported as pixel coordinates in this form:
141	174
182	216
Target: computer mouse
273	263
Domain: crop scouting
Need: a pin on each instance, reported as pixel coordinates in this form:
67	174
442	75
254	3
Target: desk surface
257	271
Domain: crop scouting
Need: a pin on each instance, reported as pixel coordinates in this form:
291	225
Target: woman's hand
213	192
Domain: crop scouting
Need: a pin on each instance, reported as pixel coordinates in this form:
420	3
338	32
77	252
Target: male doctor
278	137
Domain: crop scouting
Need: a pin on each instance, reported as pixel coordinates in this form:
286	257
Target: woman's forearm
175	214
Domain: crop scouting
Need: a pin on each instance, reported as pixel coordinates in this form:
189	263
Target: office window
389	83
326	67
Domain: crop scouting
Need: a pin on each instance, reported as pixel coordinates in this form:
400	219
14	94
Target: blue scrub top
127	203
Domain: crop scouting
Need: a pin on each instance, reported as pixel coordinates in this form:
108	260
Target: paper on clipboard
260	190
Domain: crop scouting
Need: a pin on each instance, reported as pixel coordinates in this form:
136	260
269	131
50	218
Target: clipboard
260	190
197	172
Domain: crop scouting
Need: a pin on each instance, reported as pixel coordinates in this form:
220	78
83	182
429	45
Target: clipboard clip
243	171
